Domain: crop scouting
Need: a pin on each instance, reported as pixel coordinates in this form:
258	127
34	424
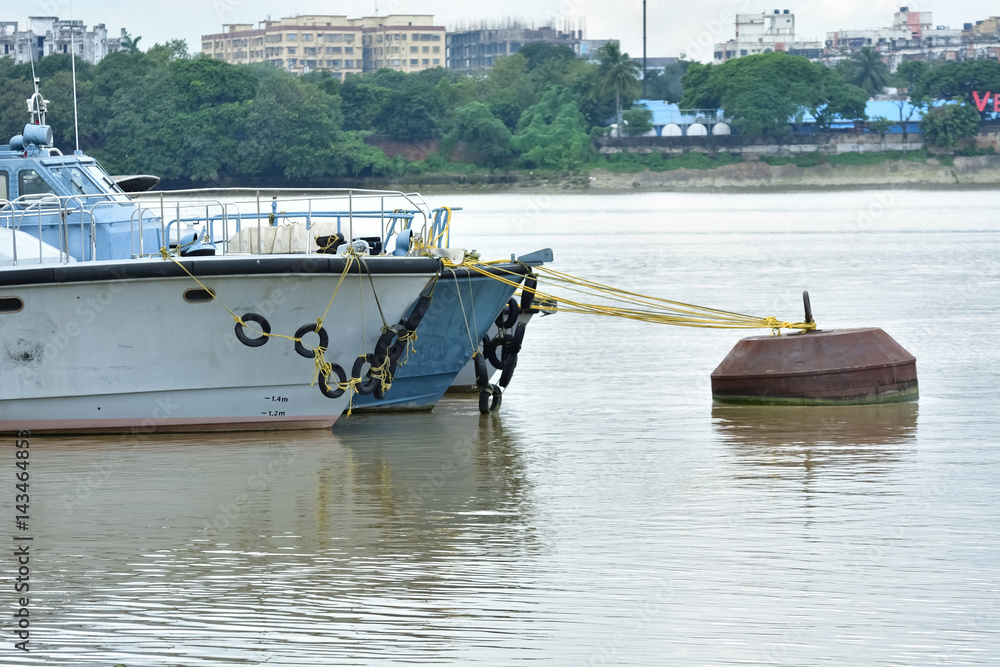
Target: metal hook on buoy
808	307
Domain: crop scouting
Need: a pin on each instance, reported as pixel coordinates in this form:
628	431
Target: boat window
77	182
101	177
32	183
11	304
4	186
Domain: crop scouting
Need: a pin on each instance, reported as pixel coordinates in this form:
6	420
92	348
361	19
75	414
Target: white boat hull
131	354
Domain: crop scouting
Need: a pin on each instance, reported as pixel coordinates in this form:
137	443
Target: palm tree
130	45
868	71
619	72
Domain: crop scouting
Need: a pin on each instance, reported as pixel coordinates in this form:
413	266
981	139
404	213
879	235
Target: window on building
414	61
427	49
309	51
425	38
333	63
349	39
291	38
272	38
333	49
307	38
395	62
437	49
348	49
743	52
435	38
427	61
349	63
437	61
291	50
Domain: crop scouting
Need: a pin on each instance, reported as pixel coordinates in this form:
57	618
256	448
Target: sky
673	28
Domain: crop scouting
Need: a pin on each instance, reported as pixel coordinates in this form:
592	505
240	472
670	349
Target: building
763	33
479	48
407	43
912	36
46	35
335	43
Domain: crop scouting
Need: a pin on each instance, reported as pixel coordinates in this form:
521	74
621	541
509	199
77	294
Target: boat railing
13	215
182	211
228	211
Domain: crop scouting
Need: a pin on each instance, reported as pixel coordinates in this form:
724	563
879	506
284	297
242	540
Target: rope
323	368
636	306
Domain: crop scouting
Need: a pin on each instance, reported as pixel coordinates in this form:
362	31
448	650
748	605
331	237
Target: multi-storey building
912	36
408	43
763	33
479	48
46	35
335	44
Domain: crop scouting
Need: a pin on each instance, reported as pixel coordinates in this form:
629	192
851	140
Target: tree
638	121
947	125
869	72
959	81
553	134
909	73
666	85
130	44
762	93
880	125
483	136
617	72
539	53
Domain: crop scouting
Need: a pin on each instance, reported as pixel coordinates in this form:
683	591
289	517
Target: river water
609	514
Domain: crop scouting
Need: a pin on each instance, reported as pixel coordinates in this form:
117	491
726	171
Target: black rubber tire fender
367	385
482	374
241	335
490	350
528	293
324	340
490	399
378	394
508	316
509	364
418	312
388	340
336	391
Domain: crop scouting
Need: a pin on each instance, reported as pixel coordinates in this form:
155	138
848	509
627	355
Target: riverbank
747	176
803	173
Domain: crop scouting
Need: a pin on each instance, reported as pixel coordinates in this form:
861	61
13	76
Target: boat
121	315
464	301
465	304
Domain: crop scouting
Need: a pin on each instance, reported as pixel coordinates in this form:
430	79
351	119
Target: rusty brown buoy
834	367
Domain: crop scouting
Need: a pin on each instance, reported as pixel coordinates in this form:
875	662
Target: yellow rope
323	368
636	306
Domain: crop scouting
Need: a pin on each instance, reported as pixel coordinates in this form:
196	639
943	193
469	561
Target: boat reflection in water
371	543
815	435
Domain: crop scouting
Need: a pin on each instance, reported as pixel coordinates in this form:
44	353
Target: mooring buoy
822	367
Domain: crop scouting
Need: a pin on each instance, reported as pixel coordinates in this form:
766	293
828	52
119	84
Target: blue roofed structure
666	115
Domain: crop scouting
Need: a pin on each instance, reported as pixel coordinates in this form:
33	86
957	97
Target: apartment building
479	47
334	43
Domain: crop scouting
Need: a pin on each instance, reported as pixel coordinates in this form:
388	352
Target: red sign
982	101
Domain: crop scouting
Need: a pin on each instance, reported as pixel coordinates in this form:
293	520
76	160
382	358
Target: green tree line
200	120
197	120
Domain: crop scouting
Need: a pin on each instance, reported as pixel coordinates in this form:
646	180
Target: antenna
72	50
